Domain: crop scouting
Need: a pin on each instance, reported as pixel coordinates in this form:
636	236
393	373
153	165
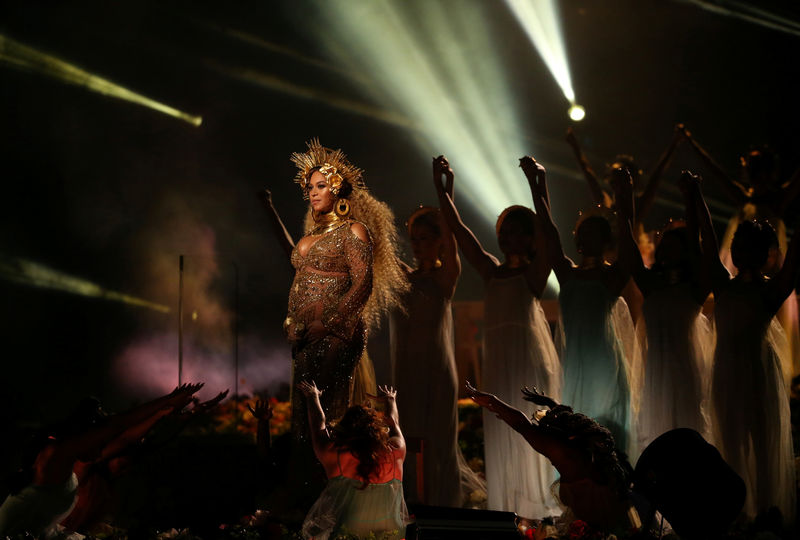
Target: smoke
148	364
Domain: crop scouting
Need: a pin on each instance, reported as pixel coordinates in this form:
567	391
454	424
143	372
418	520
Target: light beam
17	55
34	274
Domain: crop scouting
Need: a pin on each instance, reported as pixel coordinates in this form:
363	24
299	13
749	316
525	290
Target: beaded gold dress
332	283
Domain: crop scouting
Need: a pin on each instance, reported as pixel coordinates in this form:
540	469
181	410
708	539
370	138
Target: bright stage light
37	275
23	57
577	113
445	79
540	21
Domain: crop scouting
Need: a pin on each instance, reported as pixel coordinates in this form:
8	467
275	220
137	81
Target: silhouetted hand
309	389
621	181
535	396
441	167
535	173
206	406
688	182
262	410
572	140
484	399
681	131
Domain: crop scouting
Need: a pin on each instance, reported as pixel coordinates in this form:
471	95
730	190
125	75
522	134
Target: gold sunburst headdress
333	164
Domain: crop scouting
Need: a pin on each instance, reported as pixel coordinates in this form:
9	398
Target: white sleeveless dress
425	377
518	350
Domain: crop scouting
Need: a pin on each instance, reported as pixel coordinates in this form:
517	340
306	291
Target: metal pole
180	320
236	328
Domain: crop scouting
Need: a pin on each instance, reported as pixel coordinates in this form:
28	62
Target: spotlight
576	112
21	56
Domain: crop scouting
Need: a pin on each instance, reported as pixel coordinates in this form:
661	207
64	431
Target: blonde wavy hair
389	281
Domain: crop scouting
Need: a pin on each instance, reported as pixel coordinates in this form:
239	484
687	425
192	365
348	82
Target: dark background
112	193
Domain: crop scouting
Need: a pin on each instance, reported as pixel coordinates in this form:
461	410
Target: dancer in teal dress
364	464
596	372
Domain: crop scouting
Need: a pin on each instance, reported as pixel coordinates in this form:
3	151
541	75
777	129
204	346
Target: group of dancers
638	368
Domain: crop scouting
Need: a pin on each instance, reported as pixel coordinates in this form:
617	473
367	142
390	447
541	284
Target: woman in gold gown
346	275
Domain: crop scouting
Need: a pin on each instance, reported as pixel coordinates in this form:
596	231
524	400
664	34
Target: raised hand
622	182
441	167
484	399
535	173
211	403
688	182
387	392
534	395
309	389
571	139
262	410
681	131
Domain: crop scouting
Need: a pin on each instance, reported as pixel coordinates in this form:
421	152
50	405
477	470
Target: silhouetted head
672	250
593	236
624	161
751	244
425	233
760	166
364	433
516	229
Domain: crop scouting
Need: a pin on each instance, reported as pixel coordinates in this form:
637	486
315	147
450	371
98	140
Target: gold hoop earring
342	208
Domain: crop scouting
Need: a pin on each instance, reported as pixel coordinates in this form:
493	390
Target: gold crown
333	164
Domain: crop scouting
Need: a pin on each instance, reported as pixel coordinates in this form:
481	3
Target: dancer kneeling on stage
595	475
363	457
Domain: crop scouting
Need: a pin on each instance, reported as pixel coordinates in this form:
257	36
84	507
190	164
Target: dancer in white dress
518	351
750	402
596	371
679	338
423	360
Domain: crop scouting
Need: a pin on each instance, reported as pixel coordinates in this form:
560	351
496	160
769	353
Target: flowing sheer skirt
518	351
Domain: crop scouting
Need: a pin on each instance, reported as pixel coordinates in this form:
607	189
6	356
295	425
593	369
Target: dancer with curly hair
363	458
347	275
595	475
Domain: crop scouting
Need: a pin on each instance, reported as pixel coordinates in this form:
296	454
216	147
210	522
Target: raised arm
516	420
536	176
320	439
735	190
482	261
451	262
392	416
283	236
263	413
645	202
714	272
702	286
598	195
630	258
785	280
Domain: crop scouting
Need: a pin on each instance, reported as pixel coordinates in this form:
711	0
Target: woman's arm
392	416
451	263
343	320
598	195
516	420
482	261
645	202
535	173
630	258
713	271
702	285
735	190
785	280
263	413
320	439
283	236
